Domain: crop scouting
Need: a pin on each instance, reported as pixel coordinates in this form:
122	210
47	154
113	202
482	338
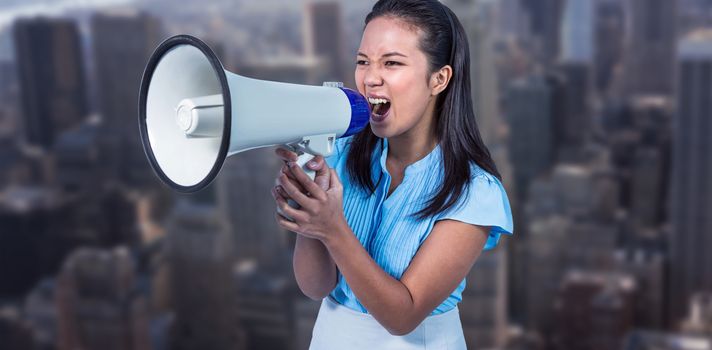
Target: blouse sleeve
484	202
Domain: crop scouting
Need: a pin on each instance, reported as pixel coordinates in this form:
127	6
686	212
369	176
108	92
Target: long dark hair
444	42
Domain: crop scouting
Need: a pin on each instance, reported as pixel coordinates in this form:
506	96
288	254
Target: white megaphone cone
193	114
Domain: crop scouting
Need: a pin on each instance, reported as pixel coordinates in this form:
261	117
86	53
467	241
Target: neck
416	143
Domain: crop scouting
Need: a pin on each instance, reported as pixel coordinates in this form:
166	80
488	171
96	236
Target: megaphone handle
302	161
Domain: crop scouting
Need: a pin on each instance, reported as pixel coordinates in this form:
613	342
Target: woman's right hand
317	164
314	269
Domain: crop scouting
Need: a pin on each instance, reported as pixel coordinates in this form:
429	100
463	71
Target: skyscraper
244	198
200	253
594	310
8	94
323	35
691	194
51	77
577	31
574	126
608	41
545	21
532	111
483	309
649	46
512	20
474	17
97	303
122	43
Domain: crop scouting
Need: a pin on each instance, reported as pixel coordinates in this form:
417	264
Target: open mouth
379	106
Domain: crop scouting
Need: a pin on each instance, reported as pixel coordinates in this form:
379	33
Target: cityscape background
598	114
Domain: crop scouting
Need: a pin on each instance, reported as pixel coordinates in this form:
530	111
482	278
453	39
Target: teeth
374	101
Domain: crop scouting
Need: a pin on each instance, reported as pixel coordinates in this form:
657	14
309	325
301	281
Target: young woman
389	229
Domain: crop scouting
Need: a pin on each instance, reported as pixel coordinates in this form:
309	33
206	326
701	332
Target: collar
430	160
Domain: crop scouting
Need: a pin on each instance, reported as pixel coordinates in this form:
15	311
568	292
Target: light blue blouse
384	225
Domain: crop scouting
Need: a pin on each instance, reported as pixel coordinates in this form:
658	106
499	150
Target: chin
381	131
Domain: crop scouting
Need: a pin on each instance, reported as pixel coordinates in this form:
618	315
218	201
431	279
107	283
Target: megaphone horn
193	114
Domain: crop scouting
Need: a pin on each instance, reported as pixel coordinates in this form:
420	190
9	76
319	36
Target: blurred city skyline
597	113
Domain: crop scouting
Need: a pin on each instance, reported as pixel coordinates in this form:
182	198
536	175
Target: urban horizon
596	112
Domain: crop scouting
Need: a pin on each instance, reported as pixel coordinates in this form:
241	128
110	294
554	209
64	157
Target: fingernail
312	163
292	164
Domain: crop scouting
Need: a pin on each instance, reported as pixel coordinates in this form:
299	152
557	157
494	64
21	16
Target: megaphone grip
302	161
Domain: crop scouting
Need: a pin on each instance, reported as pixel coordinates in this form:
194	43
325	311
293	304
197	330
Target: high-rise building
7	78
694	14
323	35
98	306
638	135
512	21
244	199
608	41
652	340
122	43
267	308
474	17
574	127
200	255
569	224
77	159
594	310
545	21
647	187
649	46
577	31
533	105
40	312
650	166
51	75
30	246
8	94
483	309
699	319
15	333
691	192
546	262
648	268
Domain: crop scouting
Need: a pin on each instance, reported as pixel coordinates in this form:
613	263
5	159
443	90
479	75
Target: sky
10	9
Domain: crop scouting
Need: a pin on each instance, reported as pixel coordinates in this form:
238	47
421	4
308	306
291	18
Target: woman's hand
321	214
317	164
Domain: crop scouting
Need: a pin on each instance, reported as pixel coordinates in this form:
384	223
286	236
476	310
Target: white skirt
339	327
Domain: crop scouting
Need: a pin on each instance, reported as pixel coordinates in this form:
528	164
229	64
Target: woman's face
390	66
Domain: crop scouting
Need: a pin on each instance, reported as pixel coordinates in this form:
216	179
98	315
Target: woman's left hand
321	214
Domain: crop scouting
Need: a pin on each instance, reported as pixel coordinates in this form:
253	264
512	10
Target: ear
440	79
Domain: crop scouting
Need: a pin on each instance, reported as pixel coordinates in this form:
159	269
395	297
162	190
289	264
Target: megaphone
193	114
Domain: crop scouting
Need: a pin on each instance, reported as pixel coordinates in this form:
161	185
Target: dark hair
444	42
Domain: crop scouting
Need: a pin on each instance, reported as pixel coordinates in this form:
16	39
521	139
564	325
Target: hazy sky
9	9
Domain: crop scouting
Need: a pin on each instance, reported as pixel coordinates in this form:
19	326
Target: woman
389	229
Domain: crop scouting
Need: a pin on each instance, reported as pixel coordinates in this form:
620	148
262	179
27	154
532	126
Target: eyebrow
385	55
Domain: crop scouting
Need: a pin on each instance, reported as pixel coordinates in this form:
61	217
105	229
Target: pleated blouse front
384	224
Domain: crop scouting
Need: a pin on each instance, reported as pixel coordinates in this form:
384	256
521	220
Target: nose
372	77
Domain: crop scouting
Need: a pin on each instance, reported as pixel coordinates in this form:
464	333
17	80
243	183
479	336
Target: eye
360	62
394	63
